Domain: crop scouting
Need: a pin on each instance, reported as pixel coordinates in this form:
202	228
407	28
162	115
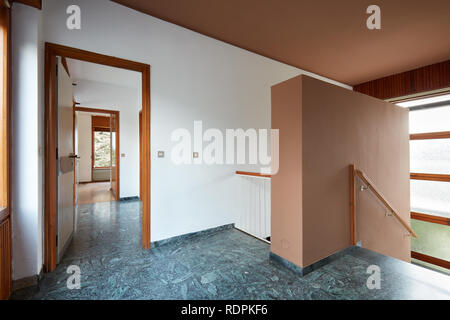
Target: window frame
438	177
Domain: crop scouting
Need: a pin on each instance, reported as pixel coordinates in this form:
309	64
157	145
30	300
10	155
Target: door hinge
56	240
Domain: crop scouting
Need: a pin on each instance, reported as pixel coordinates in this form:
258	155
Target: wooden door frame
50	213
140	155
5	157
110	112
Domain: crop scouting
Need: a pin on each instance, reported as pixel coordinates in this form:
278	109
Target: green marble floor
227	264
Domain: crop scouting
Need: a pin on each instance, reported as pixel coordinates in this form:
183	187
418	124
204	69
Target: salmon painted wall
340	127
286	186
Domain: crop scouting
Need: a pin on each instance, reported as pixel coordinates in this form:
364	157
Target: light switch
195	155
160	154
122	155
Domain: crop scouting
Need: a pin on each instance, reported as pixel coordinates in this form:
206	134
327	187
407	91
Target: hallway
95	192
227	264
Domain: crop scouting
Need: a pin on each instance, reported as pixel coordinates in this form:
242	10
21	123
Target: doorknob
74	156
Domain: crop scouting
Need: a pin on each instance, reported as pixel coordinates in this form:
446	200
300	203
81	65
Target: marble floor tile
227	264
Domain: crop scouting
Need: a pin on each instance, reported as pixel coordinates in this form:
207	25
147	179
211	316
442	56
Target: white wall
26	161
193	77
127	101
84	132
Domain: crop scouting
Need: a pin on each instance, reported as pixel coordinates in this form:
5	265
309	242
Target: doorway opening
61	151
97	146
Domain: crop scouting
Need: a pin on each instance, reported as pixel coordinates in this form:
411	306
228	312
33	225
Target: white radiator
254	208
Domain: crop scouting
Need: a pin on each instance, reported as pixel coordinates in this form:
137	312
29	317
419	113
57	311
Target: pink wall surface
338	127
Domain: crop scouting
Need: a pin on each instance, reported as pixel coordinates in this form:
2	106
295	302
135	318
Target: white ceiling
81	70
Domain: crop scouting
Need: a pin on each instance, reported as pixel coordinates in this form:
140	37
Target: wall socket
160	154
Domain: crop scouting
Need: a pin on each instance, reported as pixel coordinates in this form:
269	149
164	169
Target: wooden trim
384	201
5	158
5	108
436	261
94	110
66	67
5	259
50	216
253	174
50	186
428	78
73	152
96	181
116	129
140	155
430	218
430	135
102	122
100	129
146	168
92	150
93	57
352	205
430	177
32	3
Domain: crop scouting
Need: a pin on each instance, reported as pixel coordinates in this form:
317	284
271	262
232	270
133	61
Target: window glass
430	156
102	149
432	197
430	120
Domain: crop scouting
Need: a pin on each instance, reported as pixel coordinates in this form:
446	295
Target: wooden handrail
352	206
253	174
372	188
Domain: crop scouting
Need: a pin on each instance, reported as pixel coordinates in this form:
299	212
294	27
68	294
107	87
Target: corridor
95	192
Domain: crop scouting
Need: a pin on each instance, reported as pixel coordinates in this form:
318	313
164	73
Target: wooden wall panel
101	122
432	77
5	259
33	3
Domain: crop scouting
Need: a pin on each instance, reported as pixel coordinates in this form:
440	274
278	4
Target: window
430	158
102	149
429	124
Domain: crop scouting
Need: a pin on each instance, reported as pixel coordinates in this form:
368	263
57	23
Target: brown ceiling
327	37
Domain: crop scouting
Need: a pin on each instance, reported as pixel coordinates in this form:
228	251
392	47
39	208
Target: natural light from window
430	155
102	149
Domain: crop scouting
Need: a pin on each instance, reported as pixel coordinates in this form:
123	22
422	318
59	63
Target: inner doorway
52	160
97	144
